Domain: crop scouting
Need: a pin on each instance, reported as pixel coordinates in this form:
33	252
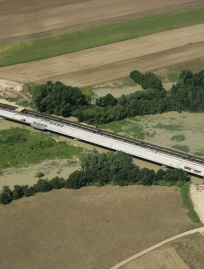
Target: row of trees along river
186	95
99	169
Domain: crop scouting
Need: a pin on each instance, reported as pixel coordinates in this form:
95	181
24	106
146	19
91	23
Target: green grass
88	91
128	81
20	147
169	127
126	127
183	148
178	138
185	196
198	153
24	103
12	99
172	76
89	38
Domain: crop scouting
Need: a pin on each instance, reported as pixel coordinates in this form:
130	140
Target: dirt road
129	263
20	19
113	61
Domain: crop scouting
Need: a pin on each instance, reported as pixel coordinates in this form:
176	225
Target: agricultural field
190	249
161	258
183	253
109	62
88	228
50	18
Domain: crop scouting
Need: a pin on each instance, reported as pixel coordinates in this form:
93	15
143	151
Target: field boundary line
200	230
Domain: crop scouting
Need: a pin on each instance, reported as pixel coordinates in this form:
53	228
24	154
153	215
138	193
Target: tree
57	183
6	195
30	191
136	76
43	185
18	192
58	98
76	180
107	100
151	81
185	76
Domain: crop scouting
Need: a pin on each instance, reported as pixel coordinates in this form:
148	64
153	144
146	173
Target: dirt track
20	19
113	61
132	262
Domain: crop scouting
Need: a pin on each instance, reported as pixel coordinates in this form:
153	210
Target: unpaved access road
129	263
113	61
20	19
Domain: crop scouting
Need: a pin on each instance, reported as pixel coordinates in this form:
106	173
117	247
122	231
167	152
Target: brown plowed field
113	61
20	19
90	228
162	258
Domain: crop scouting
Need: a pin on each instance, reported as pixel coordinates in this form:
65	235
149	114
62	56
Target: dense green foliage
185	196
118	169
147	81
100	169
57	98
43	185
20	147
186	95
80	40
135	104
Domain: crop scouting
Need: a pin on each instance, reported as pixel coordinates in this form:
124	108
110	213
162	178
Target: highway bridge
153	153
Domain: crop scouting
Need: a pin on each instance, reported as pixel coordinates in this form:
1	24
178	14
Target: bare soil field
21	19
162	258
114	61
88	228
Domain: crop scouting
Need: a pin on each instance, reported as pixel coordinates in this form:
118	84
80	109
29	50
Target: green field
128	127
21	147
183	148
89	38
187	203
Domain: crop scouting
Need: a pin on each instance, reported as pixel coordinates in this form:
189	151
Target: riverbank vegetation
185	95
20	147
100	169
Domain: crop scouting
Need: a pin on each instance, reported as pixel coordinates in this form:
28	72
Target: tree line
100	169
186	95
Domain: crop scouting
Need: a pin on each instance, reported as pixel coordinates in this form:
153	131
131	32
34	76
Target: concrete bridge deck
105	139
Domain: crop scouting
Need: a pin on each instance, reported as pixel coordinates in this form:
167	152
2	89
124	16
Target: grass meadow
187	203
21	147
89	38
